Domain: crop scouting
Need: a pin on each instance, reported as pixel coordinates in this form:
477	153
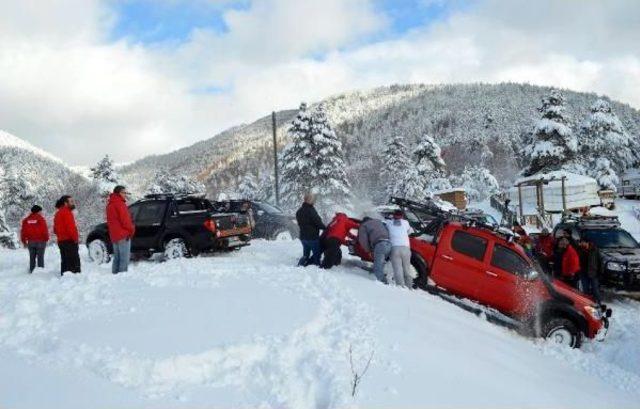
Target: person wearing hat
34	234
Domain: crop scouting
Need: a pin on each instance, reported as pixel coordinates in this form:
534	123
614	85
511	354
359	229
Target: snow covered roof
572	179
631	174
10	141
451	190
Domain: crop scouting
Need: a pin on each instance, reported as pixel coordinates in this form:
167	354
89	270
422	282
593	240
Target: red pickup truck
483	264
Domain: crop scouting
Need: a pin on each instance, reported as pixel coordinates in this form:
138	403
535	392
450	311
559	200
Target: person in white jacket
399	231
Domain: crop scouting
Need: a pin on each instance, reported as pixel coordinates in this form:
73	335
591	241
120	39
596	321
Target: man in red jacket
121	229
570	263
64	226
34	235
544	249
334	236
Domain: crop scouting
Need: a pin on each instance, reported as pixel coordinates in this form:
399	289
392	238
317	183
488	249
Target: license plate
234	241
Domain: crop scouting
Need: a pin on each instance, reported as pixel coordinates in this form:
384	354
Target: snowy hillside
474	123
9	141
35	176
248	329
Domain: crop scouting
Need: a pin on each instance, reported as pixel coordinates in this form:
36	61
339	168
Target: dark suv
271	223
179	226
619	251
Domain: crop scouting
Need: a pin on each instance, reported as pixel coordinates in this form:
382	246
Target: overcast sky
82	78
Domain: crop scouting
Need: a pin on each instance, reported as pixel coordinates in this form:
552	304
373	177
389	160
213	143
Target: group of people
577	264
34	233
382	240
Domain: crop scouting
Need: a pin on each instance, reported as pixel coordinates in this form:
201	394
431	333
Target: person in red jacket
570	263
121	229
64	226
334	236
544	249
34	235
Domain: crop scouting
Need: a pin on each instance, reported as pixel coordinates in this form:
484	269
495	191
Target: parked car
619	251
178	226
271	223
482	263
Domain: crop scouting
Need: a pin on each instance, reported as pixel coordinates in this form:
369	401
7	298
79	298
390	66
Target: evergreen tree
8	237
478	182
604	174
603	136
104	171
165	182
314	162
266	188
399	173
248	188
430	165
553	144
104	175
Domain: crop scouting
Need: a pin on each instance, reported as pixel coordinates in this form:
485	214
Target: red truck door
504	286
459	264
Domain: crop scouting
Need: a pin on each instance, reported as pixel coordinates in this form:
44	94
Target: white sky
69	88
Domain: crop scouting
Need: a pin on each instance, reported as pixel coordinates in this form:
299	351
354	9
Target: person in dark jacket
64	226
373	237
121	229
335	236
590	266
34	235
310	224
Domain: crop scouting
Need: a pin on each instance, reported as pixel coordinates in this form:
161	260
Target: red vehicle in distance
462	257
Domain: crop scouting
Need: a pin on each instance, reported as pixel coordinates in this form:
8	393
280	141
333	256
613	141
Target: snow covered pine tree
248	188
314	161
605	147
104	175
8	237
165	182
399	173
553	144
478	182
430	165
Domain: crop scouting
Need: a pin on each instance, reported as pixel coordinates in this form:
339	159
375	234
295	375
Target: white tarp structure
580	191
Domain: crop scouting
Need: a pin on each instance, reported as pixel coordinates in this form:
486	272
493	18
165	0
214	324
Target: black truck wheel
98	251
562	331
176	248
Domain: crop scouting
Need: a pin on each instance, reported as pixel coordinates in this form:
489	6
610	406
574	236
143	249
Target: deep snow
250	329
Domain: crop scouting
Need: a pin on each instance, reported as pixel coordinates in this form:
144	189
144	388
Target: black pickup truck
178	226
619	251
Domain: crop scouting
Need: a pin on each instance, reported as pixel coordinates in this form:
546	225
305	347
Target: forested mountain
474	124
29	175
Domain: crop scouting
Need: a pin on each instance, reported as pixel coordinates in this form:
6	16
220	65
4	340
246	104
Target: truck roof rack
442	216
162	196
593	221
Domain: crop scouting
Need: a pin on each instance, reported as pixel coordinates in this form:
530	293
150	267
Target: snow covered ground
250	329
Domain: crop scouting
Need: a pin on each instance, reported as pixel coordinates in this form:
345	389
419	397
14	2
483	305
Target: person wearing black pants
64	226
69	256
332	252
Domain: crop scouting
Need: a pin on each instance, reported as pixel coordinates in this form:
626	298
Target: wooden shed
456	196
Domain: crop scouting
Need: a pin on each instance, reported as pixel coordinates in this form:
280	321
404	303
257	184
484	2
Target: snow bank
248	329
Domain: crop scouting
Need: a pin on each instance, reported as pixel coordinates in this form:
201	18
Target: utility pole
275	157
